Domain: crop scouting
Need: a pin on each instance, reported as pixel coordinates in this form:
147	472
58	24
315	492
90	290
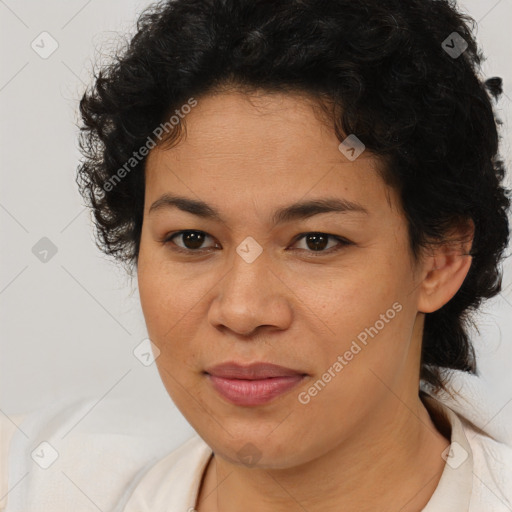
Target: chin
257	450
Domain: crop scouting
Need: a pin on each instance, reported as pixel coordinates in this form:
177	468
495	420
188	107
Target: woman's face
252	289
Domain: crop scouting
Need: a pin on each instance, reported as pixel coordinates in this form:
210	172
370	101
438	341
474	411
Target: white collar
453	492
172	484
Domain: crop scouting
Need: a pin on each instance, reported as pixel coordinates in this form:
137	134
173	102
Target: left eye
317	242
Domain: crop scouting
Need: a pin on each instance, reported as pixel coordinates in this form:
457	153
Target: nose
251	297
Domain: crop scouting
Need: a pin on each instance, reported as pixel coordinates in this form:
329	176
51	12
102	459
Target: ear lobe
445	270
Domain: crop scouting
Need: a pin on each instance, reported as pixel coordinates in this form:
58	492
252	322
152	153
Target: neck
393	462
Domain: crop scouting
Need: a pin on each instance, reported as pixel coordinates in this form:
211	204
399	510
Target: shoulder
481	449
492	470
74	452
488	443
173	482
8	426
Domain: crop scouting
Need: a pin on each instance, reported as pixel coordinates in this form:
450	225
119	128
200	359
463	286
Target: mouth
254	384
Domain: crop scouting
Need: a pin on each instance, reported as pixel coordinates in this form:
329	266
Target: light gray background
68	326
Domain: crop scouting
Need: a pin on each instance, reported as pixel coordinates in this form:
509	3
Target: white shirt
113	472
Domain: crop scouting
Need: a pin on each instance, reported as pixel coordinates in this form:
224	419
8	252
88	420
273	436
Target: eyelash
342	242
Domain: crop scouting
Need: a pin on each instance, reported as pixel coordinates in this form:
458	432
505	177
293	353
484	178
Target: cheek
369	321
163	295
172	310
351	300
152	301
160	307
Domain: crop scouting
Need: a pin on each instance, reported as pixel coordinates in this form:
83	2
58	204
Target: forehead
273	144
260	123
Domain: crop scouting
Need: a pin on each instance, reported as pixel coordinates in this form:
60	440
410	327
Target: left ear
445	268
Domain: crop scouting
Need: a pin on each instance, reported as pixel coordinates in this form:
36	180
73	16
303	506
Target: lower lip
253	392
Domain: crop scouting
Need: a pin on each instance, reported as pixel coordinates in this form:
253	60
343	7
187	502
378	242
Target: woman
310	195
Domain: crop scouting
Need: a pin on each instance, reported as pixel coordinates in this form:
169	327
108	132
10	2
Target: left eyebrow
295	211
306	209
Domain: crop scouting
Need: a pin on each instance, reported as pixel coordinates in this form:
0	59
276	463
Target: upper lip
253	371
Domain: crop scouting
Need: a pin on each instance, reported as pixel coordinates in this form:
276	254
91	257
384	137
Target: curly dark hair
402	76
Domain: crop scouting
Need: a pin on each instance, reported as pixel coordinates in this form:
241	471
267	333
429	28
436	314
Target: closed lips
254	371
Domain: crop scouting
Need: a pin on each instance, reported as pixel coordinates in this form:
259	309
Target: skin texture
365	441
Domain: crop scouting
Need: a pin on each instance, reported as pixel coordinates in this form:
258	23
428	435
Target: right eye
191	240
